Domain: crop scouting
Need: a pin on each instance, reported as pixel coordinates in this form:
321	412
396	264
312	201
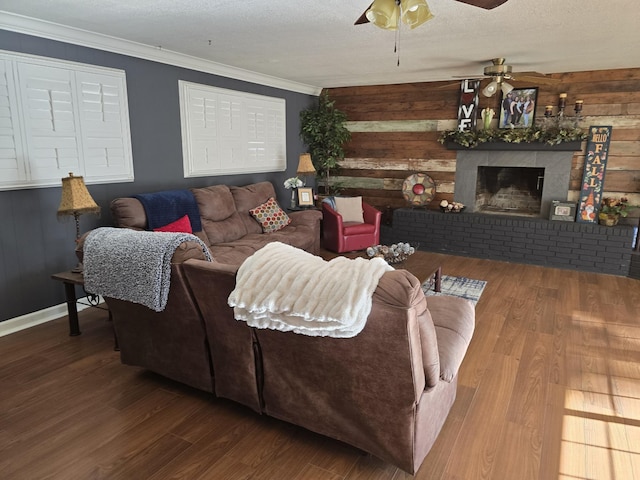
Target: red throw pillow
181	225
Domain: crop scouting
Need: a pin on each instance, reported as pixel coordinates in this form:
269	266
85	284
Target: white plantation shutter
228	132
105	133
12	167
50	122
59	117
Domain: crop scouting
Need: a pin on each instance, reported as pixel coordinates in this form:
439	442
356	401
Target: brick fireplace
490	183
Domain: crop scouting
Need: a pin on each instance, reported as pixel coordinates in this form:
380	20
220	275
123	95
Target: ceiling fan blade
534	77
363	18
486	4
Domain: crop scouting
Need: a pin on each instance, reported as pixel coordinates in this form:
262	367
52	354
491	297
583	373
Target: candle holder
560	120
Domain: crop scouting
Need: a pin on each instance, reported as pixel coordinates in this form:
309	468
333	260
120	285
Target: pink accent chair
339	236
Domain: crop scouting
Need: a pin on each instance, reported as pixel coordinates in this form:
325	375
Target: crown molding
62	33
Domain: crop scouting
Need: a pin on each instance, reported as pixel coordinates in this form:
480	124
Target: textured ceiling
314	42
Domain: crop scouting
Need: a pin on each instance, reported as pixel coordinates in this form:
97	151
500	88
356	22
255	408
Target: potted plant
293	184
323	129
612	209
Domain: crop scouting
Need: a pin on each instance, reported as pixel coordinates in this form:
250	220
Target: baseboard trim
39	317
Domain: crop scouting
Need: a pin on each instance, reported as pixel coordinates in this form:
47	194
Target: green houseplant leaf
323	129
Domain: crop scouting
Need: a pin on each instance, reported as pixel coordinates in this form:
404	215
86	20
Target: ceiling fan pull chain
396	48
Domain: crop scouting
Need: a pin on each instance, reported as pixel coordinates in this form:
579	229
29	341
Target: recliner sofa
387	391
173	342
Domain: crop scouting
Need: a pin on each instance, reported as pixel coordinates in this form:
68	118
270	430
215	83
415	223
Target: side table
70	280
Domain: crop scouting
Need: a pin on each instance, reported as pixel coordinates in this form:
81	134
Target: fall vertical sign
595	164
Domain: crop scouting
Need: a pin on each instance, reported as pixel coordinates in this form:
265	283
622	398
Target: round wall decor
418	189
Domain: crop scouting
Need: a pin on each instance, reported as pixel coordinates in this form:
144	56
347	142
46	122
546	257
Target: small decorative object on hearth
612	209
451	207
396	253
293	183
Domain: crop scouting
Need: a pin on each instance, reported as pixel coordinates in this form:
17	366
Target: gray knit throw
132	265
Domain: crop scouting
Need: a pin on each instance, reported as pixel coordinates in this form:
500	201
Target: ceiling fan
412	6
500	72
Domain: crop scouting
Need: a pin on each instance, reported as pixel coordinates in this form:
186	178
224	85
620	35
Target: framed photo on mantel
518	108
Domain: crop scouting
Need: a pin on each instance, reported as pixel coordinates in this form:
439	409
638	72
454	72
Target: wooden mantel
522	146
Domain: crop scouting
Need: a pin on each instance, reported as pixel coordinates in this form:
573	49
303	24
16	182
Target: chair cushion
270	216
350	208
352	228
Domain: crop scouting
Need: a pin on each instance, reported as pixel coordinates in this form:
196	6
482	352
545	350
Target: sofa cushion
232	253
350	209
248	197
270	216
182	225
220	219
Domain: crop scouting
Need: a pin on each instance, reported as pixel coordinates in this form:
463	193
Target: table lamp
305	166
76	200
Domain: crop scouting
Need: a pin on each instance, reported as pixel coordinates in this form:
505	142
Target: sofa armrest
371	215
454	320
332	227
331	217
185	250
310	218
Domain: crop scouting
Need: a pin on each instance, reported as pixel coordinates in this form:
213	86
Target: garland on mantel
551	136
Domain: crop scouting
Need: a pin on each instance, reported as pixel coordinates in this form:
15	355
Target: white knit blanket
287	289
132	265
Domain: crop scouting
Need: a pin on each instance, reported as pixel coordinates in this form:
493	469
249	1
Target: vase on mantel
608	219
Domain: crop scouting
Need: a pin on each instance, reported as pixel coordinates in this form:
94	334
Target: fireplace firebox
509	190
534	178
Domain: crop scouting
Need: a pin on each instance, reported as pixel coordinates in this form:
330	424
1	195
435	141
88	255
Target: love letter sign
468	106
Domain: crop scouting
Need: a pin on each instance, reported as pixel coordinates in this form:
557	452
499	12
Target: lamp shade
384	14
76	199
305	165
415	12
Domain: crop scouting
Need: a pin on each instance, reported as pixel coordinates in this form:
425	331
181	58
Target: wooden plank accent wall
395	130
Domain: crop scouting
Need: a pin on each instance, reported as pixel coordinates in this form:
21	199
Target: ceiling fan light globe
415	13
384	14
490	89
506	88
412	5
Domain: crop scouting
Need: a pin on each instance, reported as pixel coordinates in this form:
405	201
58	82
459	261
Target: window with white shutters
229	132
12	170
58	117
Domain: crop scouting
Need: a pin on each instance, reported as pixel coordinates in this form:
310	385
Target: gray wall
34	244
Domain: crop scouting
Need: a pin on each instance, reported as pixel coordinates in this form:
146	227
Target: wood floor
549	389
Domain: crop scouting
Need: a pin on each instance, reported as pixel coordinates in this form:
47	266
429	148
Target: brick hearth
568	245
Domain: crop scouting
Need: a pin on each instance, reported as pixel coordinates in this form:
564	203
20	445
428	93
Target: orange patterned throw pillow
270	216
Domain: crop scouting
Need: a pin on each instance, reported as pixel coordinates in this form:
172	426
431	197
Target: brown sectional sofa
174	342
386	391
